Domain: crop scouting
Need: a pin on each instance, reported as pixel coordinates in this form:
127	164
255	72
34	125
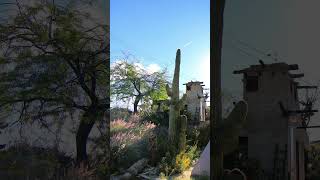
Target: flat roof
268	67
193	82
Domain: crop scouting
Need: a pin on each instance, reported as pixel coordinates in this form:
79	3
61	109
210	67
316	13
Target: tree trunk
216	162
87	121
135	104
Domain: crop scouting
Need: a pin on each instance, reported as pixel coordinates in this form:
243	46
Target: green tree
128	80
54	61
160	94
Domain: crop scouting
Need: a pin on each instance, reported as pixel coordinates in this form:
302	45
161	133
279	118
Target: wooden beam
296	75
307	87
283	110
238	72
305	127
302	111
262	63
293	67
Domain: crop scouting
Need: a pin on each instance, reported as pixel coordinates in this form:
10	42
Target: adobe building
196	101
271	134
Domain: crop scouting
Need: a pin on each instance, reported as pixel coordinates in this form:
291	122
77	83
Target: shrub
313	156
157	118
177	163
129	142
24	161
199	134
120	113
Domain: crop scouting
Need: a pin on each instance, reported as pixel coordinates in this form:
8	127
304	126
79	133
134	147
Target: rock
138	166
133	170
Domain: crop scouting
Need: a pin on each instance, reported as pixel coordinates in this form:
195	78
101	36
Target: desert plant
129	141
22	161
176	104
199	134
176	163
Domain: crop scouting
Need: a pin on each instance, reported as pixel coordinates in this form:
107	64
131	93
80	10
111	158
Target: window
252	83
188	87
243	146
295	92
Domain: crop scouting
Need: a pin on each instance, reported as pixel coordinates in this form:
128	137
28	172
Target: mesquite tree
54	60
130	80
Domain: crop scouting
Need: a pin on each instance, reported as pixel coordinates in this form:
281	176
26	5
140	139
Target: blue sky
153	30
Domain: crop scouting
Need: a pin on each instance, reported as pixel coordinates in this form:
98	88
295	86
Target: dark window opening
243	140
243	147
295	93
188	88
252	83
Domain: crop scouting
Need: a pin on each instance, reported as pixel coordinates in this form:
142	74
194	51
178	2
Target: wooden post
216	154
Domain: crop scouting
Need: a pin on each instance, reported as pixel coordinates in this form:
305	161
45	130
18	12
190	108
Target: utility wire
246	52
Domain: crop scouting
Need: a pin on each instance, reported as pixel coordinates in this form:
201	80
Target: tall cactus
175	102
182	133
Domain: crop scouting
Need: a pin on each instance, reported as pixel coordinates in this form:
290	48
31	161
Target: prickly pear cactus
176	104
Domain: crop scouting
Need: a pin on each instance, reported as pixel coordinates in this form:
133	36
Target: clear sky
153	30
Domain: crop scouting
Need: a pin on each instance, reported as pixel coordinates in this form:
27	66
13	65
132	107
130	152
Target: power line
254	48
246	52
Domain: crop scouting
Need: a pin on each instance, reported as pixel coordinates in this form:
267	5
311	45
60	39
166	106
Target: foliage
199	134
22	161
129	80
129	141
119	113
313	156
178	162
160	94
157	118
54	63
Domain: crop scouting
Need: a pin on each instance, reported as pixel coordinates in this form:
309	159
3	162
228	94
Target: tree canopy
54	60
131	80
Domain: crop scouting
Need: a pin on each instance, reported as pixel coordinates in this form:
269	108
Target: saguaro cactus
182	128
175	102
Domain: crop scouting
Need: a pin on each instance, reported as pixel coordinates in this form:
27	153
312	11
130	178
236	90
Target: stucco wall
266	126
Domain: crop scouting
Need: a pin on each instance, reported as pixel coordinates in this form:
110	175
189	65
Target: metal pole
292	153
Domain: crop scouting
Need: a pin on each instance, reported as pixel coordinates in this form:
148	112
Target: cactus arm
169	90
